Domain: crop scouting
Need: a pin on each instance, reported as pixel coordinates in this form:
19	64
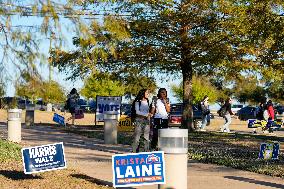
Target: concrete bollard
49	107
30	115
110	128
174	143
14	125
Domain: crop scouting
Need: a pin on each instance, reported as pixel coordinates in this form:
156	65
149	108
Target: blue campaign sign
269	150
43	158
58	119
138	169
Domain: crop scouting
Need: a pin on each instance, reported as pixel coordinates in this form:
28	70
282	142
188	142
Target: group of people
266	112
157	111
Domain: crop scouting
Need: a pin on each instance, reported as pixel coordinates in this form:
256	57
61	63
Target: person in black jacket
205	112
227	115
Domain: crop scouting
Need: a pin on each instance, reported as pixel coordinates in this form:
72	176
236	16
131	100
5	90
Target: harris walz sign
43	158
136	169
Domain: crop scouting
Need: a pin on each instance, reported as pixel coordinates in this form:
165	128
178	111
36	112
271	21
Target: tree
200	87
2	90
33	87
21	40
249	89
203	37
53	92
94	86
275	90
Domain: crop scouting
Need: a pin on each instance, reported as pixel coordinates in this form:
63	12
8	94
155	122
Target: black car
175	118
248	112
279	109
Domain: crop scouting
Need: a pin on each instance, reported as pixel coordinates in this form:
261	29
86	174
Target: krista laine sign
138	169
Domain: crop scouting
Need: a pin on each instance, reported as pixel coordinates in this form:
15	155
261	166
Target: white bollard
174	143
110	128
49	107
14	125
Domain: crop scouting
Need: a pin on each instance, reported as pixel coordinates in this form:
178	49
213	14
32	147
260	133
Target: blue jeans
204	121
228	121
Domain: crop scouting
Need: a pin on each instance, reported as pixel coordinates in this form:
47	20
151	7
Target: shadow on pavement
17	175
264	183
94	180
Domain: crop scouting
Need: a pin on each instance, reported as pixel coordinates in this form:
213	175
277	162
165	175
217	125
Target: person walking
160	110
270	115
72	103
205	112
270	110
227	115
141	120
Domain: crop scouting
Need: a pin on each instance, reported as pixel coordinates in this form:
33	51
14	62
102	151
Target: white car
236	107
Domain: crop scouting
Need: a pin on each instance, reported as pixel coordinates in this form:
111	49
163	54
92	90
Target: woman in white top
160	109
142	120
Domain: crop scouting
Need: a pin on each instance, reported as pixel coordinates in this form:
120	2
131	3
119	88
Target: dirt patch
12	176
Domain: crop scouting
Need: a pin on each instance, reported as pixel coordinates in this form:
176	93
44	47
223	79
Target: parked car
279	109
126	109
248	112
236	107
175	117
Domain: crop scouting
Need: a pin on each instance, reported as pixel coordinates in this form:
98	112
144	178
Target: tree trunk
186	67
187	117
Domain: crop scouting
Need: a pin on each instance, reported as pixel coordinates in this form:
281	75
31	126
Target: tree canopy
201	86
33	87
204	37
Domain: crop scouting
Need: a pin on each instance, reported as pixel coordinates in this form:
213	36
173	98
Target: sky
61	77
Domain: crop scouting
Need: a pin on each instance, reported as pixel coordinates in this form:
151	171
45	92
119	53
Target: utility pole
49	61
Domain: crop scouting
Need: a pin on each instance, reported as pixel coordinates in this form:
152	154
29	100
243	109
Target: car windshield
237	106
179	108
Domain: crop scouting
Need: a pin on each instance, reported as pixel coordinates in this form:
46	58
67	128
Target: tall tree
200	87
203	37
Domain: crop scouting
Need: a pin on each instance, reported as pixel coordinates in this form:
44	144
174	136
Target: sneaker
202	130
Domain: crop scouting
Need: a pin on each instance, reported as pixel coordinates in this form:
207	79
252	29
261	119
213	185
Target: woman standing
160	109
205	112
227	115
142	120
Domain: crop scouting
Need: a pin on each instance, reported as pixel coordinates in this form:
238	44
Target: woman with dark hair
160	109
205	112
227	115
141	120
72	103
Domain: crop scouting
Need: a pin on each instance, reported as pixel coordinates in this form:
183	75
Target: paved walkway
92	158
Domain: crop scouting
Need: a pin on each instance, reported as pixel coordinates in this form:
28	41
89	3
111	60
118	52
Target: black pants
158	124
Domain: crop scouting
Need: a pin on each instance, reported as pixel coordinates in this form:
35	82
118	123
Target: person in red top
270	110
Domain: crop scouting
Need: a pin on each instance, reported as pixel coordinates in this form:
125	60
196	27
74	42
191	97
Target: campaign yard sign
109	104
137	169
269	150
58	119
43	158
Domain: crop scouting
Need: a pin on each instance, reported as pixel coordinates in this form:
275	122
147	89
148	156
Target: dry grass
12	177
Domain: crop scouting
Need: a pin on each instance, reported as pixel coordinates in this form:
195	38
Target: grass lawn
238	151
13	177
